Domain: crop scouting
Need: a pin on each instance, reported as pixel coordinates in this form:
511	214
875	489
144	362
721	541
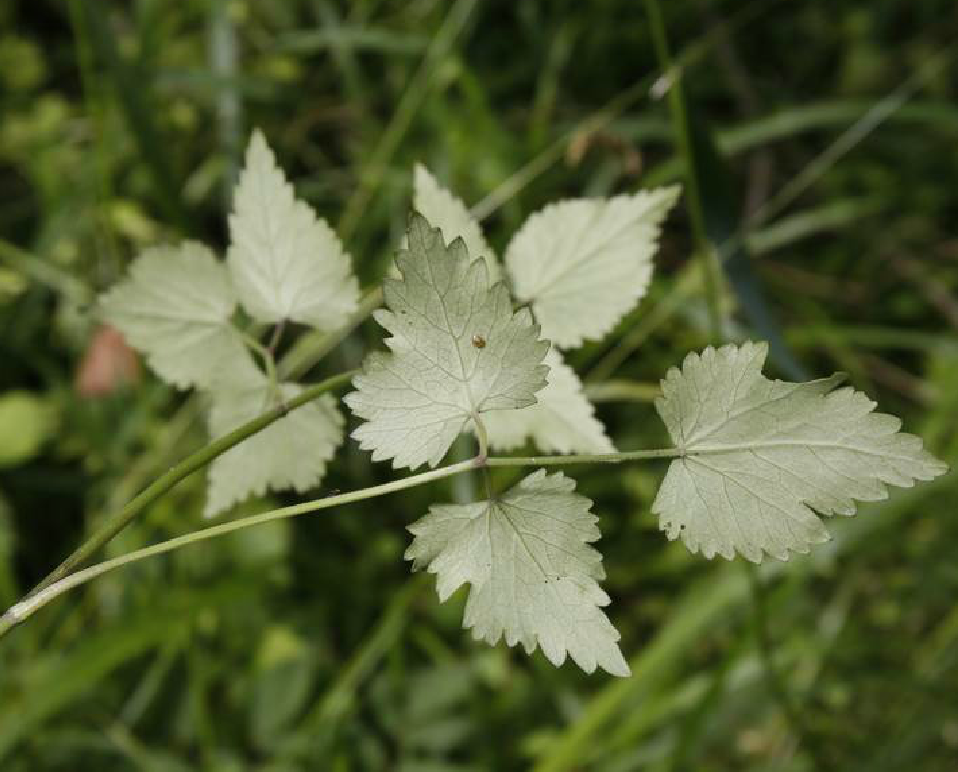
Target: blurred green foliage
307	645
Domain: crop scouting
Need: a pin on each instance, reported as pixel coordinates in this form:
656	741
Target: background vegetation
823	144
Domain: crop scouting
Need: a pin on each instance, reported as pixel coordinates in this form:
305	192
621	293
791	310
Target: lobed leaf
289	453
562	420
532	573
583	264
447	212
457	351
286	263
761	457
175	307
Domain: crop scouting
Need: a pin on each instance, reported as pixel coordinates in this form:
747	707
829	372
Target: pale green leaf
533	574
286	263
175	306
417	399
446	212
584	263
762	457
289	453
561	421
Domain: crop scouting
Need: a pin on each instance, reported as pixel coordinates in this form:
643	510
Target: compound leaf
175	306
447	212
762	457
457	350
585	263
561	421
289	453
286	263
533	574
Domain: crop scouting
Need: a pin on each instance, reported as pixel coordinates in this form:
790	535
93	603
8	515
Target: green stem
597	458
276	337
31	604
776	684
680	120
183	469
692	53
687	283
44	272
94	96
61	581
269	361
412	99
312	347
341	699
483	437
622	391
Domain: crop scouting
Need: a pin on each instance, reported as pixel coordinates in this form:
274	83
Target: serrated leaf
457	351
561	421
584	263
175	306
762	457
286	263
448	213
533	574
289	453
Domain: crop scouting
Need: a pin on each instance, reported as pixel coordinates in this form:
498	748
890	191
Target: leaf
286	263
761	457
446	212
175	307
418	398
533	574
561	421
584	263
289	453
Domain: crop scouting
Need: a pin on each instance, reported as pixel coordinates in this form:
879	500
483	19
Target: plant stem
680	121
45	272
276	337
312	347
598	458
31	604
622	391
183	469
61	581
371	174
266	354
776	684
692	53
483	437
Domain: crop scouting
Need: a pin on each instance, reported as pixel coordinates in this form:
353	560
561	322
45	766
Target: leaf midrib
718	449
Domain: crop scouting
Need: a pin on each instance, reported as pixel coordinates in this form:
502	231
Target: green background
825	133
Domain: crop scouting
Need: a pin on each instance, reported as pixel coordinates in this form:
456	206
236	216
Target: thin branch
597	458
680	121
118	521
622	391
266	354
276	337
776	684
62	581
32	603
312	347
594	122
372	173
